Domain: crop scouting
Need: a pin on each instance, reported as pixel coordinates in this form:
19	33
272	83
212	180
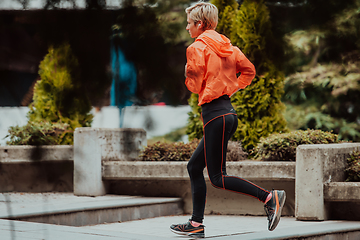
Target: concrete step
67	209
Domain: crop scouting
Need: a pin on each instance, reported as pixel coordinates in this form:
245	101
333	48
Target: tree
324	93
58	95
227	11
259	106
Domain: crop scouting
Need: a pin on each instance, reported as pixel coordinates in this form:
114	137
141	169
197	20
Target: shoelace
269	211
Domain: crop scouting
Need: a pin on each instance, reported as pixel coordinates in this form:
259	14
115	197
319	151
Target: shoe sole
278	214
190	234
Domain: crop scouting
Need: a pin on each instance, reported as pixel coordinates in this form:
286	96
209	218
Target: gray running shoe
273	208
188	229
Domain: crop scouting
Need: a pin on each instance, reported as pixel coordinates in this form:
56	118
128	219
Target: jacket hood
220	44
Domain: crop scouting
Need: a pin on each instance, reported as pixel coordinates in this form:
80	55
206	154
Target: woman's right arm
246	68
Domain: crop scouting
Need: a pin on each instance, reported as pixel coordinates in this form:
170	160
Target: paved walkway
217	226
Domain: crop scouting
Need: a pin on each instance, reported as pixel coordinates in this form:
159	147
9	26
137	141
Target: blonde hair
205	12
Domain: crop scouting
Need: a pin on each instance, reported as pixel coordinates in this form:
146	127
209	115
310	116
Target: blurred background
129	56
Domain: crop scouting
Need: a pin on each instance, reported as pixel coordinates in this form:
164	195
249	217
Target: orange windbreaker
212	65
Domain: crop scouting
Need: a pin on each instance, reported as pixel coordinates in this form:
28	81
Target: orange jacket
212	65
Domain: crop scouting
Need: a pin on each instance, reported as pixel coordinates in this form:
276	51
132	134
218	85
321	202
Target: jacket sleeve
246	68
195	69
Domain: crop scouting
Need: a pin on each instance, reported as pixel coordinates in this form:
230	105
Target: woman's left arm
195	69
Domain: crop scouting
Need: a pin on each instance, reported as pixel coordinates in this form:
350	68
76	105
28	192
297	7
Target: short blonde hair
205	12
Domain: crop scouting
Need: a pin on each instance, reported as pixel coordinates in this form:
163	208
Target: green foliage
325	97
195	125
251	30
259	105
58	95
325	93
282	146
180	151
259	110
353	170
37	133
227	11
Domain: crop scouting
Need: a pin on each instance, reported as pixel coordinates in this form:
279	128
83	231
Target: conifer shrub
180	151
59	96
353	169
282	146
227	11
194	128
259	106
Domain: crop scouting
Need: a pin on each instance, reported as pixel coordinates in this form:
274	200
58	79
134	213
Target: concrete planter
36	168
95	162
171	179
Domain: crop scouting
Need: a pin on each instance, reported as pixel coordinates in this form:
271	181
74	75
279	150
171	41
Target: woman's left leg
217	133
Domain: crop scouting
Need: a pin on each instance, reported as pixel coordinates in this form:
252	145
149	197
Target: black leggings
211	153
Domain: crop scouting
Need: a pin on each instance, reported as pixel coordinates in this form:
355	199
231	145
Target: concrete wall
36	169
171	179
319	178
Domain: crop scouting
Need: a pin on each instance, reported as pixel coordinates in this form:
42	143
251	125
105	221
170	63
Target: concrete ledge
171	179
342	191
25	153
95	211
36	168
252	170
326	231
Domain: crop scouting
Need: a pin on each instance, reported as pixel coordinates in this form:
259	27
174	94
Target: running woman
212	65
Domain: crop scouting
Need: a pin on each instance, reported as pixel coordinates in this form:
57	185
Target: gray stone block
94	145
317	165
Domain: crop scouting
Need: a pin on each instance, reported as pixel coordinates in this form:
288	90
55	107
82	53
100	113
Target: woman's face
194	29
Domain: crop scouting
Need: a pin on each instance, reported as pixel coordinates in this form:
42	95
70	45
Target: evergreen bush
59	96
353	169
180	151
282	146
194	128
259	106
227	11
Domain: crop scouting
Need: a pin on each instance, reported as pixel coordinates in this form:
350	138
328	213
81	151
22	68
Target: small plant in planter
282	146
353	170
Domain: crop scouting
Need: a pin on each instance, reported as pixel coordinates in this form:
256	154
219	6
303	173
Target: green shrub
258	106
37	133
194	128
353	169
180	151
282	146
59	97
235	152
227	11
